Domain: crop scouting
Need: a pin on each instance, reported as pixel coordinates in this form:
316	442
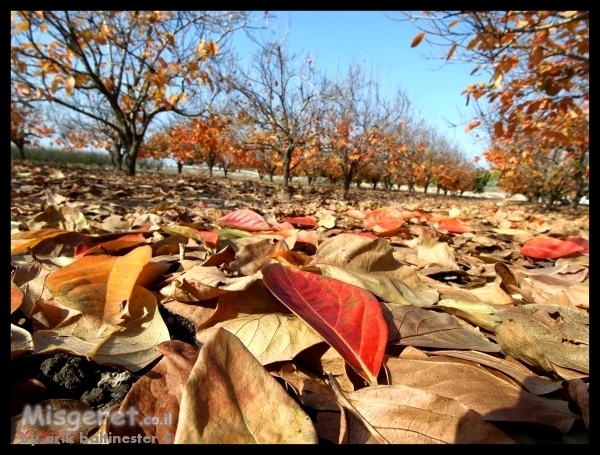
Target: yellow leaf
498	81
417	39
70	83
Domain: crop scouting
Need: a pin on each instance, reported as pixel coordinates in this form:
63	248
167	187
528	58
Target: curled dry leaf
230	398
131	345
204	283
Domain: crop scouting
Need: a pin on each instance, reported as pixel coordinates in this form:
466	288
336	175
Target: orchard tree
538	68
137	64
355	125
536	60
27	125
278	96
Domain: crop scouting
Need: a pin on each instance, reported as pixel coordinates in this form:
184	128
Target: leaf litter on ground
379	317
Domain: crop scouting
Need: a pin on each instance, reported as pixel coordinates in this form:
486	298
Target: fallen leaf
20	342
230	398
301	221
412	326
384	219
407	415
158	394
347	317
431	252
16	297
535	384
60	217
550	248
245	219
477	389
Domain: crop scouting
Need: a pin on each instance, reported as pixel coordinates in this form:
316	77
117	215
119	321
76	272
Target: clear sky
334	39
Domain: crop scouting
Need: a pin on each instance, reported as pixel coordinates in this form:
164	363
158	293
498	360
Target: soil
73	377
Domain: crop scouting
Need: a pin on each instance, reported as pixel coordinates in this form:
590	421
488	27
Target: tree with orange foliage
138	64
354	129
26	126
538	91
279	96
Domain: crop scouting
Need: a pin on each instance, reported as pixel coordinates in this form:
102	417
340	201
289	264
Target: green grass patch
62	156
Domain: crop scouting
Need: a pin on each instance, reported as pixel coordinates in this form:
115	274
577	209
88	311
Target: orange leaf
384	219
473	124
417	39
451	52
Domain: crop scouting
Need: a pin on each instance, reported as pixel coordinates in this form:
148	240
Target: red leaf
282	226
210	237
347	317
452	225
384	219
245	219
548	247
584	243
301	221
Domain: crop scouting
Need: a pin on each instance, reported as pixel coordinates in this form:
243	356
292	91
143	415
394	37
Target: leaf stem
343	401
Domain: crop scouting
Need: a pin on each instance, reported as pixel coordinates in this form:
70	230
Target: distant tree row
106	77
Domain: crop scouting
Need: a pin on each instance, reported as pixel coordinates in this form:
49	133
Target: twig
181	252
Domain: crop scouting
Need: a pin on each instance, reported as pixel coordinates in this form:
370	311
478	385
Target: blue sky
336	38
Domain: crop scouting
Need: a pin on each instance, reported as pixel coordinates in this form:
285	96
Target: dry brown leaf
413	326
230	398
431	252
60	217
158	394
131	346
539	334
580	394
20	341
406	415
476	388
204	283
252	257
535	384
